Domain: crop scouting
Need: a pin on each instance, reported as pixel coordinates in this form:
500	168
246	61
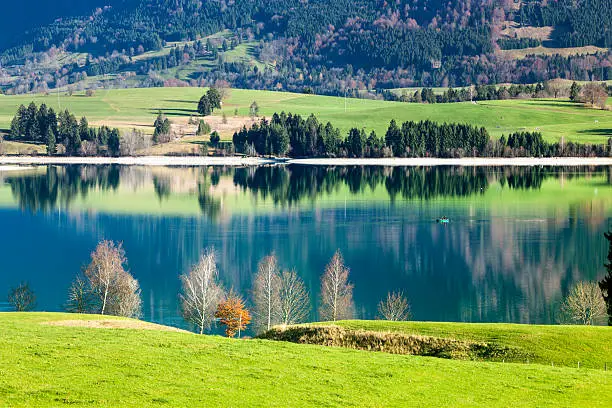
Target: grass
52	365
559	345
127	108
10	147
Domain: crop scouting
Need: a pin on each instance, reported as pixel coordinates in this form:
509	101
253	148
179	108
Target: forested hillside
320	45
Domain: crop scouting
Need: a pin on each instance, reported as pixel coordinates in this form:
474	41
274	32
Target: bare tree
200	292
395	307
128	301
293	298
224	88
555	87
22	298
134	141
266	293
115	289
584	305
594	94
336	291
80	298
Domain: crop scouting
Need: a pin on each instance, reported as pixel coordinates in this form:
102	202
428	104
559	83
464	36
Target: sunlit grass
138	107
49	366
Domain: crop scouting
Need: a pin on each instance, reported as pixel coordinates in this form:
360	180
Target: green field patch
45	365
556	119
549	345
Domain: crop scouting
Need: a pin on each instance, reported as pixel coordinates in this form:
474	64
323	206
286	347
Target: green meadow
551	345
50	365
127	108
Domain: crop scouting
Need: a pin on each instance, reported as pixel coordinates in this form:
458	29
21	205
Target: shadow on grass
596	132
173	112
181	101
560	104
198	142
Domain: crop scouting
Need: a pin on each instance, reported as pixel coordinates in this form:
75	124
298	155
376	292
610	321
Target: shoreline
11	163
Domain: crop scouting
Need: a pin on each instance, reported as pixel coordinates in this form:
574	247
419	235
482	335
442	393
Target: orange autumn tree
233	315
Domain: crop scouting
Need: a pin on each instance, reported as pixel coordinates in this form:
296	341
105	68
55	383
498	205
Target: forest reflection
54	186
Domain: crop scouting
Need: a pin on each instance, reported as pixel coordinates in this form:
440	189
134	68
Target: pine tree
574	92
606	283
83	128
114	143
51	143
204	106
393	138
214	97
158	124
203	128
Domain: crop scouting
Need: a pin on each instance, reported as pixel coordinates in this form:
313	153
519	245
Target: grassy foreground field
49	365
127	108
559	345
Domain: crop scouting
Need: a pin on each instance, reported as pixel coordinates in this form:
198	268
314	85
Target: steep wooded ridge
321	45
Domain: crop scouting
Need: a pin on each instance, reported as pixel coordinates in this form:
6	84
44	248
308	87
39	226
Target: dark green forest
291	135
326	46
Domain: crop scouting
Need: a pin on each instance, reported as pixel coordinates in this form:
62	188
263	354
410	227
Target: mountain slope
323	45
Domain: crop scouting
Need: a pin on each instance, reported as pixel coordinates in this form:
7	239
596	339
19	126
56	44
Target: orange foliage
233	315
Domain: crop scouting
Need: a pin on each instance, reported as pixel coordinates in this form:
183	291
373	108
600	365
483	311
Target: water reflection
283	185
518	237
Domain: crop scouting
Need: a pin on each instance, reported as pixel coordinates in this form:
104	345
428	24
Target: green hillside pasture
558	345
49	365
127	108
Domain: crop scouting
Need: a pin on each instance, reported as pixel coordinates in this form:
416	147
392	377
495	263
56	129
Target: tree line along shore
279	296
289	135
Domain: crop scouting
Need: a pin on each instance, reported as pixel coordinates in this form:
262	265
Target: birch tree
201	292
266	293
294	301
395	307
115	289
584	305
336	291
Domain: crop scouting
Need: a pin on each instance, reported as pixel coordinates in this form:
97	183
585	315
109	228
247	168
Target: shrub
215	138
394	343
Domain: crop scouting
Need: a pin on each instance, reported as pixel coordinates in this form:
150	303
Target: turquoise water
517	238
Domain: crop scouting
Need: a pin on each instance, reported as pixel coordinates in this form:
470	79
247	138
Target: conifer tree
51	143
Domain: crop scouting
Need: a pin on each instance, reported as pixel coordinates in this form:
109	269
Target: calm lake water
517	240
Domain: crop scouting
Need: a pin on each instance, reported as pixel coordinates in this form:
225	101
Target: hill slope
322	45
47	365
129	108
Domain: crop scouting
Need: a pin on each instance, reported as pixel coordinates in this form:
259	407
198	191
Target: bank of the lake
257	161
49	364
381	218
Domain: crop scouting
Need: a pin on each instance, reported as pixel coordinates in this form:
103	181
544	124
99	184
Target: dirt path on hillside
113	324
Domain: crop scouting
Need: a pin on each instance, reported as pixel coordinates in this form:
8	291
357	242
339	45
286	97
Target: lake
518	237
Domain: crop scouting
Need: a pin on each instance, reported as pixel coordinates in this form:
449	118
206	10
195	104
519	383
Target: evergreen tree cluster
584	22
43	125
210	101
162	127
477	93
518	43
289	134
322	45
